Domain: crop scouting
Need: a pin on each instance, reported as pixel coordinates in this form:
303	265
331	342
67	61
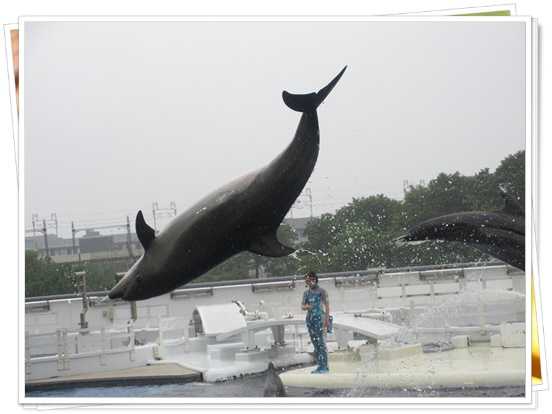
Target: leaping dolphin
243	215
500	234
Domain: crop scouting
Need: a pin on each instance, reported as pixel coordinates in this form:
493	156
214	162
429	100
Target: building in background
96	246
91	246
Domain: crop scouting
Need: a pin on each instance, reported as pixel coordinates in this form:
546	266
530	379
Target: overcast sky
120	115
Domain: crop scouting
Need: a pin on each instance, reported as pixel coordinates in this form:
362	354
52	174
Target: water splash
296	255
474	306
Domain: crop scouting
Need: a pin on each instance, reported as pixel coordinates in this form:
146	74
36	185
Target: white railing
434	288
347	292
174	329
65	345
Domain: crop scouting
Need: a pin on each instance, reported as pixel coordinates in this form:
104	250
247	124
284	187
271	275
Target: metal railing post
27	353
102	346
131	337
62	358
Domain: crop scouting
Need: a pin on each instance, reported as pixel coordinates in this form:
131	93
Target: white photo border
237	402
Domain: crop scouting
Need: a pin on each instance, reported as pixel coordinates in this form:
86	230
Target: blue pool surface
253	386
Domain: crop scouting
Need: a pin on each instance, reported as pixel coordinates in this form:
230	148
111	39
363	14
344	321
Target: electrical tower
162	212
41	226
40	223
405	186
304	198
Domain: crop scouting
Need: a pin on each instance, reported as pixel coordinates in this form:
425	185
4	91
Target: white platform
479	365
245	363
372	328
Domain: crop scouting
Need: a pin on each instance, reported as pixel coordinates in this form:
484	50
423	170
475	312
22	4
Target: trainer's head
311	279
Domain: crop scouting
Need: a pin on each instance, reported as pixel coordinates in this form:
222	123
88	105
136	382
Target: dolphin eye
139	278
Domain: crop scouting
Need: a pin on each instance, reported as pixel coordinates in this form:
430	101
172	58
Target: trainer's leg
320	344
313	337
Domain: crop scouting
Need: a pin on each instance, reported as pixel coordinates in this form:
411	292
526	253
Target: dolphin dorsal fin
511	205
144	232
268	245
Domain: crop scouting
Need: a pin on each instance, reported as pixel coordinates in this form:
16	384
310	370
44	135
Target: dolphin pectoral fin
513	256
268	245
501	237
144	232
502	244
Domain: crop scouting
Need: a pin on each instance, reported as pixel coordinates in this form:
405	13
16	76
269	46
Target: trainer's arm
327	314
304	304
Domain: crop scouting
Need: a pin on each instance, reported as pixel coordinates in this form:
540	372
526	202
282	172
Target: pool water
253	386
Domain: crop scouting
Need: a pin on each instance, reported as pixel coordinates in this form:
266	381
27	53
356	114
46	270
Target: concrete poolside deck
475	366
158	373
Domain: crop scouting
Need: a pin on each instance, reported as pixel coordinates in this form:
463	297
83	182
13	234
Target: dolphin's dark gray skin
274	386
243	215
500	234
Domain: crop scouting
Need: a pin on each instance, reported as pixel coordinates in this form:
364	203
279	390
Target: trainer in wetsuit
317	305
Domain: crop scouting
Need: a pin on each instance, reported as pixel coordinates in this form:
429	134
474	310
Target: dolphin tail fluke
310	101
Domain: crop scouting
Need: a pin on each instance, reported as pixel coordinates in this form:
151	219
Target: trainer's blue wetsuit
317	297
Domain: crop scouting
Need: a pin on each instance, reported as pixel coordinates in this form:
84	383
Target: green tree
44	277
484	193
448	193
511	174
321	232
377	212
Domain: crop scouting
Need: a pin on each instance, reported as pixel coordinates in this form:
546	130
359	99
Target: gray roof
37	242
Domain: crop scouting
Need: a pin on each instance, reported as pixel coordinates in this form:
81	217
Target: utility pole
45	232
54	220
46	224
129	244
35	221
51	223
83	323
74	243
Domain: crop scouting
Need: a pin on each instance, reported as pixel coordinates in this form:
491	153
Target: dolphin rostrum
243	215
500	234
